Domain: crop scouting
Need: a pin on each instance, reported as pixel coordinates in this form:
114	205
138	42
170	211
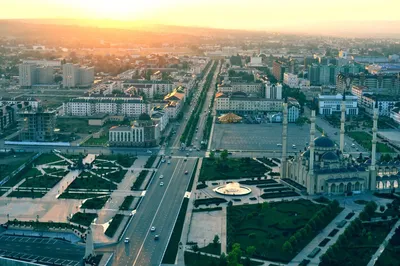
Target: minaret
373	155
284	141
342	121
311	177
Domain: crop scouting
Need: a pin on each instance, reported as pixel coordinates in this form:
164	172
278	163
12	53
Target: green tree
224	155
287	247
235	255
223	260
212	155
216	240
250	250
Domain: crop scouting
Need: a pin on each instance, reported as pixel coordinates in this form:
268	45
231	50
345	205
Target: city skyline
288	16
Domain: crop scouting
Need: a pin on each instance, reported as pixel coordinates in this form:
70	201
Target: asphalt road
159	208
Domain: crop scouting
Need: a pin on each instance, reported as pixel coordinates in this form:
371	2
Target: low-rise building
291	80
88	106
21	101
246	87
150	88
330	104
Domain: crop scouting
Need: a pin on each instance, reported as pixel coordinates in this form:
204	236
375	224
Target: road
159	208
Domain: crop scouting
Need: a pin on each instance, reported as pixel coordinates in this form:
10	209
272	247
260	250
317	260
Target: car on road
198	149
185	159
156	237
190	150
161	184
152	229
186	172
161	176
279	144
169	162
163	160
294	146
187	154
126	240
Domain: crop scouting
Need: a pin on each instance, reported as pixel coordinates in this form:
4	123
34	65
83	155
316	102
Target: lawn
390	256
9	163
126	205
150	161
91	182
196	259
44	181
139	180
357	244
365	140
84	219
231	168
113	227
26	194
269	226
95	203
75	125
46	158
102	141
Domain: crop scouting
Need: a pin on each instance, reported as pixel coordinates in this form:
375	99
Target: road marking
158	208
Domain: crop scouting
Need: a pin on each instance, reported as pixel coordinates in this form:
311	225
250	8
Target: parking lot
256	137
42	250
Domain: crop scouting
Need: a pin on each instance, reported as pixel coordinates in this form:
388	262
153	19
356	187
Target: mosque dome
324	142
329	156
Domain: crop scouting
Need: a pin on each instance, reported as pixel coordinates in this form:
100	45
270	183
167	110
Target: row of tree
316	223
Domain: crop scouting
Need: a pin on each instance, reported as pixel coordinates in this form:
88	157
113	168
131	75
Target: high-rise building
278	69
76	76
273	91
37	125
314	74
27	76
45	75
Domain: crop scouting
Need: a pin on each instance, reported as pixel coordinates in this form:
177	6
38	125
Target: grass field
76	125
84	219
26	194
364	139
268	226
9	163
91	182
71	195
44	181
126	205
46	158
115	223
232	168
390	256
102	141
95	203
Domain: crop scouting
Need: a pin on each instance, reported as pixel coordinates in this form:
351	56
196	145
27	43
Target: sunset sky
239	14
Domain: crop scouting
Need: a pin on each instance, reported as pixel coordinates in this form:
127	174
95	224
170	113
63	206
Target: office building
330	104
37	125
89	106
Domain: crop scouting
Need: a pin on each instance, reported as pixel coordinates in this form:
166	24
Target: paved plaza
248	137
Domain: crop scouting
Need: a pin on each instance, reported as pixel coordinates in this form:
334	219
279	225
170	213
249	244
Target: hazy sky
241	14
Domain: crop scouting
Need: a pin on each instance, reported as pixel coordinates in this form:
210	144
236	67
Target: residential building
359	91
8	115
273	91
291	80
27	75
293	110
385	103
37	125
278	69
239	103
22	101
246	87
173	108
388	84
44	75
156	76
46	63
89	106
150	88
160	117
77	76
330	104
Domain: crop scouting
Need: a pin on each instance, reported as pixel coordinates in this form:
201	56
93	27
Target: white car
161	184
169	162
161	176
279	144
163	160
126	240
152	229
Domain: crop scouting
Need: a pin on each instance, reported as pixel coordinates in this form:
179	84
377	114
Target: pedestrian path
61	186
382	247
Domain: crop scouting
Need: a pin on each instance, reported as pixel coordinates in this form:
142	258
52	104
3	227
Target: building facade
77	76
141	134
89	106
37	125
330	104
388	84
385	104
273	91
278	70
150	88
291	80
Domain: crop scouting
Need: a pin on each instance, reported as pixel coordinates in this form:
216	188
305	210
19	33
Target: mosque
324	168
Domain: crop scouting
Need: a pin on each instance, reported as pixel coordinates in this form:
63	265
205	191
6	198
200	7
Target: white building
385	103
88	106
150	88
25	101
248	88
291	80
293	110
173	108
255	62
160	117
27	75
273	91
329	104
76	76
246	105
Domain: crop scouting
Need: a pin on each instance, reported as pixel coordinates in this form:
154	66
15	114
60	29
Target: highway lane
155	200
152	251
